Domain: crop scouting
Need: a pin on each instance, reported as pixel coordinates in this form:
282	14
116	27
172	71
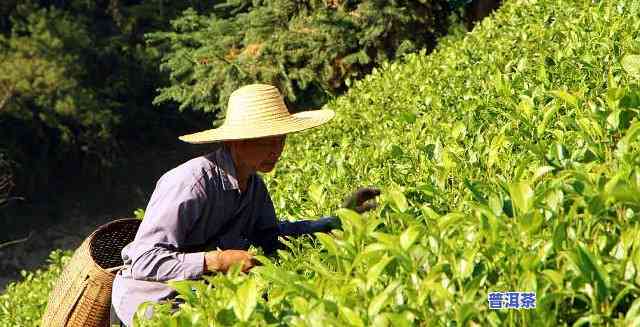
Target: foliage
42	81
23	303
138	213
78	81
311	48
509	159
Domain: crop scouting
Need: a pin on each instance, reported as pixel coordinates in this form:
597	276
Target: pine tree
309	48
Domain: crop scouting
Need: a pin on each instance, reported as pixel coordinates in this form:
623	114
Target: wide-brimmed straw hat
258	110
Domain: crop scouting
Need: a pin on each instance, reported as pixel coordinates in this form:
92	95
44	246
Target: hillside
516	149
508	160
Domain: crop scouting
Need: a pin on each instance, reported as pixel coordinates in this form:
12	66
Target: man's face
263	153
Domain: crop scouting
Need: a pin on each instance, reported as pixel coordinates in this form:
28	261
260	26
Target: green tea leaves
351	317
592	271
631	136
380	300
398	200
509	160
408	237
317	194
375	271
547	118
245	300
631	64
566	97
328	243
541	172
521	196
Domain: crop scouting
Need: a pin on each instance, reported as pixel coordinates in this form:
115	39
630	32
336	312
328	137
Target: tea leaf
408	237
316	192
328	243
246	300
351	317
374	272
631	63
522	196
566	97
593	272
380	300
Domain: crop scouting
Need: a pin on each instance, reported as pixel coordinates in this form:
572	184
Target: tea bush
509	159
23	303
509	162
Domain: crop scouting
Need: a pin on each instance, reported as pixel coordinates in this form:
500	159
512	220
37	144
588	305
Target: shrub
24	302
77	84
41	84
509	161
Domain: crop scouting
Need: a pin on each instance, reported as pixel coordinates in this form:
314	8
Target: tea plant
23	303
510	162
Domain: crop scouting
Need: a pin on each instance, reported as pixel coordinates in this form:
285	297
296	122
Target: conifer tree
309	48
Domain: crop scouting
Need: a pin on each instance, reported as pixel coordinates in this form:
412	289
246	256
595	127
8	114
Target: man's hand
223	260
358	200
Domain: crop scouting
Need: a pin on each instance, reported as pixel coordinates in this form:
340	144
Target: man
204	214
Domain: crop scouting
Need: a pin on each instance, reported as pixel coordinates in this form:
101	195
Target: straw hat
255	111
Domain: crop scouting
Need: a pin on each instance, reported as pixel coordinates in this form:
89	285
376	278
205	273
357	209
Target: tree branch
22	240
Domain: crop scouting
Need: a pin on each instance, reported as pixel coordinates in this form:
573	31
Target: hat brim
285	125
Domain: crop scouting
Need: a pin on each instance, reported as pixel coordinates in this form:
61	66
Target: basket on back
82	294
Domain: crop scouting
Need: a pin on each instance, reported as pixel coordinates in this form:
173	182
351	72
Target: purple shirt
195	207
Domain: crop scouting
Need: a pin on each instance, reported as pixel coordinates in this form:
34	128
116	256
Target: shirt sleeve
303	227
269	228
266	229
174	207
268	237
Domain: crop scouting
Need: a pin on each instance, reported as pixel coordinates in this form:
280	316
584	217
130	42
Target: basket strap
71	309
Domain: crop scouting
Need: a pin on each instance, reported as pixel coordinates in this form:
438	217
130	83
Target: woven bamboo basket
82	294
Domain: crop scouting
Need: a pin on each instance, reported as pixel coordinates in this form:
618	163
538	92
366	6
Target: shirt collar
228	174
